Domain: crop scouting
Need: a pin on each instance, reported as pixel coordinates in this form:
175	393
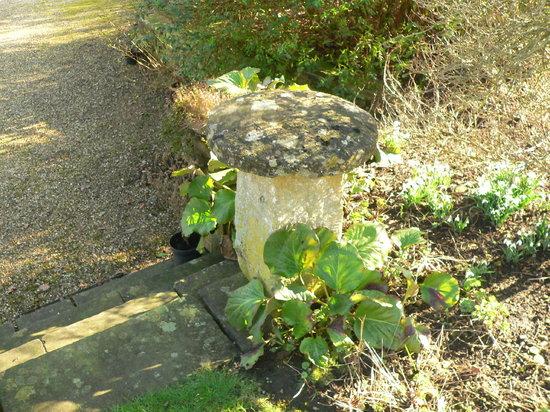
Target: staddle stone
291	149
277	133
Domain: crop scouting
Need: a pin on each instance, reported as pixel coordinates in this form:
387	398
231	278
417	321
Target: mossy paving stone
215	297
147	352
191	284
146	282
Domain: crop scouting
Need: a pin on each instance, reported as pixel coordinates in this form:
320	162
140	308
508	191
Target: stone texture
21	354
263	205
215	297
191	284
107	319
6	331
142	354
283	132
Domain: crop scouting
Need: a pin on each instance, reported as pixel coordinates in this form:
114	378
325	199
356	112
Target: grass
205	390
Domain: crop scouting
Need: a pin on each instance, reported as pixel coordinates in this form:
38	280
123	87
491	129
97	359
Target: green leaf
294	292
298	87
377	320
287	252
341	268
315	349
197	217
326	237
416	336
372	243
215	165
226	177
224	206
339	304
243	303
201	188
256	333
298	315
237	82
440	290
406	238
337	334
184	188
249	359
184	171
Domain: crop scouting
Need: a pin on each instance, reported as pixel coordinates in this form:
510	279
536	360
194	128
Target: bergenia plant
333	294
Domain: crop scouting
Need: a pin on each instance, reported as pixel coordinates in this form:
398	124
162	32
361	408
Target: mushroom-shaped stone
291	149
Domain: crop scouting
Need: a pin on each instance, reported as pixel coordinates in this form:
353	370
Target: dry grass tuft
477	89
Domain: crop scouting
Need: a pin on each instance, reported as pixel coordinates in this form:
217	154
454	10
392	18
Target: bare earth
78	131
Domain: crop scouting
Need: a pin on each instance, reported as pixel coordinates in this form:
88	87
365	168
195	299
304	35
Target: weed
527	244
394	139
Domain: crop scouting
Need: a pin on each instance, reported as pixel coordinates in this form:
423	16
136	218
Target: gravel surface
79	129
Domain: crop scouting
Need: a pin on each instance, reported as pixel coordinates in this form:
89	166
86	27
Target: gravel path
79	130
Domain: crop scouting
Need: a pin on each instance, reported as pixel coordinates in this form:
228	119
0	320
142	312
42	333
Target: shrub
504	190
340	47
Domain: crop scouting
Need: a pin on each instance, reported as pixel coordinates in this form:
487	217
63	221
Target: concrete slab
191	284
21	354
215	297
144	353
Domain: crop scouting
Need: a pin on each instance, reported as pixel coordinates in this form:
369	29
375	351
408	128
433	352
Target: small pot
184	249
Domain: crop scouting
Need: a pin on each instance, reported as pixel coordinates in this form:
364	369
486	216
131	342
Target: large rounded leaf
408	237
287	252
326	237
297	314
315	349
224	206
341	268
201	188
440	290
243	303
372	243
197	217
377	320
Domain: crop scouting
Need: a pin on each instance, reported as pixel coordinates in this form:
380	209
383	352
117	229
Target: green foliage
479	304
504	190
428	188
329	294
340	47
440	290
205	390
211	205
406	238
237	81
527	244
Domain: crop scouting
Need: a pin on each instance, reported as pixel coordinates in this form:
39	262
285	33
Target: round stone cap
282	132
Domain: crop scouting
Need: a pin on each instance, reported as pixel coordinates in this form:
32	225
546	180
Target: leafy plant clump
504	190
528	244
428	188
211	206
481	305
334	295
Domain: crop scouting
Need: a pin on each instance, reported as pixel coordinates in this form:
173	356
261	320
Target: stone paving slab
21	354
146	282
144	353
6	329
215	297
191	284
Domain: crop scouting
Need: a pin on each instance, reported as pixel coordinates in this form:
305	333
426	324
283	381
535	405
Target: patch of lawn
206	390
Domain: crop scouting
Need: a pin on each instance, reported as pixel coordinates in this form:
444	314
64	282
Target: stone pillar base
265	204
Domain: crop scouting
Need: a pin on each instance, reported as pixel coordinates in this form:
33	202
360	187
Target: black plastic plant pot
184	249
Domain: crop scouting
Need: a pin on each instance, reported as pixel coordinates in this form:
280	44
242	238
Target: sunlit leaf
415	336
440	290
289	251
197	217
339	304
201	188
294	292
326	237
341	268
237	82
185	171
377	320
372	243
406	238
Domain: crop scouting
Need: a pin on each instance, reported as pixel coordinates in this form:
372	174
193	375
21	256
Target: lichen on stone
275	133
